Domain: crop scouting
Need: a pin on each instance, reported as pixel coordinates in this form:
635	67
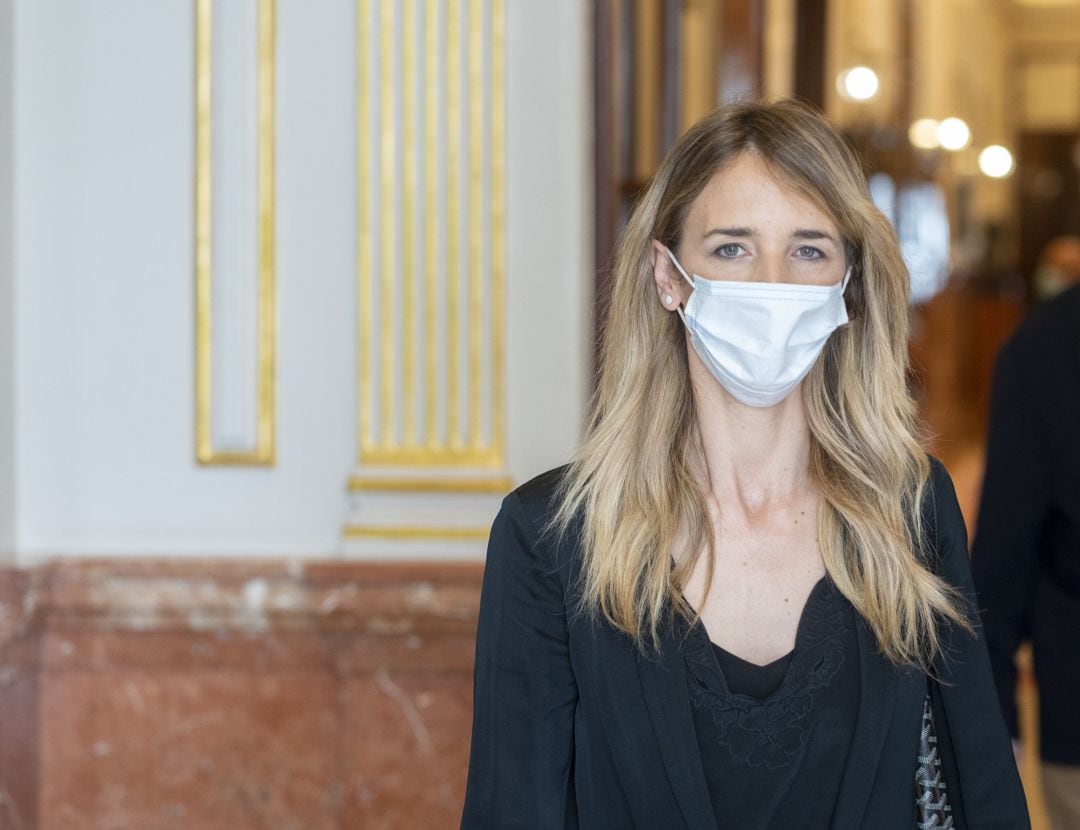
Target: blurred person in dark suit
1026	555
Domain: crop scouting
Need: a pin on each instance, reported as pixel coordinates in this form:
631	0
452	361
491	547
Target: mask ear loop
847	278
675	262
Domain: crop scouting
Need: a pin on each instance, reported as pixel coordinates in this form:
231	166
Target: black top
774	739
1026	556
576	729
746	678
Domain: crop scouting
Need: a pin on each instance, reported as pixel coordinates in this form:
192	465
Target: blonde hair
631	481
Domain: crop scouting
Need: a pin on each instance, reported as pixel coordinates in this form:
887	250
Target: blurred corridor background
292	292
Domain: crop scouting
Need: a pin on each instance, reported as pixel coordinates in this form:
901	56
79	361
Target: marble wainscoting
145	695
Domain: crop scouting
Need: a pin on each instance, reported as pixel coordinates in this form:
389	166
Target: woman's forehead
750	190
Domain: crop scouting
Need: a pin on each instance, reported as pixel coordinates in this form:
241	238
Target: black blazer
574	728
1026	556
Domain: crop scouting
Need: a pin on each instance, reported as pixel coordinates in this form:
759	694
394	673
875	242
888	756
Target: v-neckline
720	651
799	626
783	685
664	683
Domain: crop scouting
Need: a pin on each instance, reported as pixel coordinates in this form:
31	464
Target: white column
7	287
438	290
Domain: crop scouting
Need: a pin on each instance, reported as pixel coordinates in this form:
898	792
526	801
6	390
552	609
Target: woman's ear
670	286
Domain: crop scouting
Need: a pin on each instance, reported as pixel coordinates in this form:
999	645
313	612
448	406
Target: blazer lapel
877	700
663	681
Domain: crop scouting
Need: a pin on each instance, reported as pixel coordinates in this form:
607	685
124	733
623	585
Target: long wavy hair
632	480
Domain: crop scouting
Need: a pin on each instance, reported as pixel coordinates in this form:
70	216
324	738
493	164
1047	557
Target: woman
737	604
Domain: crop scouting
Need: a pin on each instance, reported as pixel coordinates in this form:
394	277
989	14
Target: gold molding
387	262
498	484
263	453
426	457
498	224
366	240
408	219
416	532
453	224
388	385
476	218
431	220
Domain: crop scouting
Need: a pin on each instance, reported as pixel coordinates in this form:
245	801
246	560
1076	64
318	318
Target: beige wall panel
701	45
1051	92
778	65
931	95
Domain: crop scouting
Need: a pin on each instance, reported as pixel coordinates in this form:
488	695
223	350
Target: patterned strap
931	799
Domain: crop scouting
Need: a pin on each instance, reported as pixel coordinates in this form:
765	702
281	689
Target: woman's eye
729	250
809	252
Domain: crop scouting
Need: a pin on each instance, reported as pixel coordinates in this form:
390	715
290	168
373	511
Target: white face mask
760	339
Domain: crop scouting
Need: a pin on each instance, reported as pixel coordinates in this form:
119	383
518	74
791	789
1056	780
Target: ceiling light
954	134
859	83
996	161
924	134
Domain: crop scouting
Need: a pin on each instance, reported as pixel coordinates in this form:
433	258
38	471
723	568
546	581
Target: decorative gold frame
468	450
264	452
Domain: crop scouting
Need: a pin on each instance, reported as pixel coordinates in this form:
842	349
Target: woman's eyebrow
812	233
730	232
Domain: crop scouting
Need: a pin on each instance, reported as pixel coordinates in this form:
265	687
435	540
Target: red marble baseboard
225	694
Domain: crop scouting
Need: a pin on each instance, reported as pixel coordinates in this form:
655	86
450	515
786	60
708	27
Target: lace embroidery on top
771	732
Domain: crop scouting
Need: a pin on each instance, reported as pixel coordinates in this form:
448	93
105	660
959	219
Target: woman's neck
754	456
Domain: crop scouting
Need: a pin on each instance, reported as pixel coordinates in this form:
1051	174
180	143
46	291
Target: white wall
549	229
104	236
7	292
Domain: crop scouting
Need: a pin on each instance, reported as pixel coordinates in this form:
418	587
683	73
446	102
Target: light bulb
996	161
954	134
924	134
859	83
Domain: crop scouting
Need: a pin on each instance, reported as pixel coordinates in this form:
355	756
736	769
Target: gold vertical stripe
453	220
388	265
498	220
408	260
365	259
474	66
267	291
203	450
476	228
431	219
